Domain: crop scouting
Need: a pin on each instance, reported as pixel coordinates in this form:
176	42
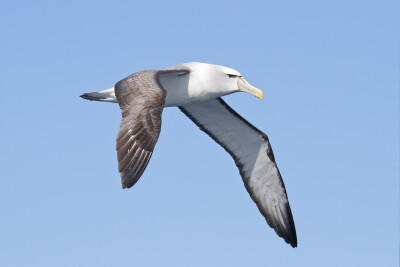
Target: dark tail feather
105	96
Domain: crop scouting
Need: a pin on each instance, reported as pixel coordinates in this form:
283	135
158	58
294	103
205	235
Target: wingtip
125	185
291	236
293	242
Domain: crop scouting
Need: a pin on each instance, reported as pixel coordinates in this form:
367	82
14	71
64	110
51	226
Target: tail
105	96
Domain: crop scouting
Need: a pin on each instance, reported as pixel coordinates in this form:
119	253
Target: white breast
177	88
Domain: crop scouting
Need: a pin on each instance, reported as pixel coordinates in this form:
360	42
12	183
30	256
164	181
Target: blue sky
329	71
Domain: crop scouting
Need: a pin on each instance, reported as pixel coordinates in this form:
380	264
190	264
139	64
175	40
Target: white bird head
218	80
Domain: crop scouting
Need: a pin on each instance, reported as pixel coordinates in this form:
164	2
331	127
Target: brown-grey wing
141	99
252	152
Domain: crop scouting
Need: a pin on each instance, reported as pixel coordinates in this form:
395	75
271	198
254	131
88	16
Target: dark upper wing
253	155
141	99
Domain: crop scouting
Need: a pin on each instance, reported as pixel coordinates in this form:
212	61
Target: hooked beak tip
260	94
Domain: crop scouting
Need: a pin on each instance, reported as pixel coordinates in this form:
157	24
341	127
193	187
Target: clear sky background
330	75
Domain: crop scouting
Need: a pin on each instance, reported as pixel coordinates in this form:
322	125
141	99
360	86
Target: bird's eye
232	76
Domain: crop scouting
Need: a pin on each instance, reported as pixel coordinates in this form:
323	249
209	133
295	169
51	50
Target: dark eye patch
232	75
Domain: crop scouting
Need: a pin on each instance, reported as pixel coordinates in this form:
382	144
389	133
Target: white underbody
176	96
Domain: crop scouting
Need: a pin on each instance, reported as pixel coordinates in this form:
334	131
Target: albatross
196	89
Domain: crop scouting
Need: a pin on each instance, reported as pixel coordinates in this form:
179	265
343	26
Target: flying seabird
196	89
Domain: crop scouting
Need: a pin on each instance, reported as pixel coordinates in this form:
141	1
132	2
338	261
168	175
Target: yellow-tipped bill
244	86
